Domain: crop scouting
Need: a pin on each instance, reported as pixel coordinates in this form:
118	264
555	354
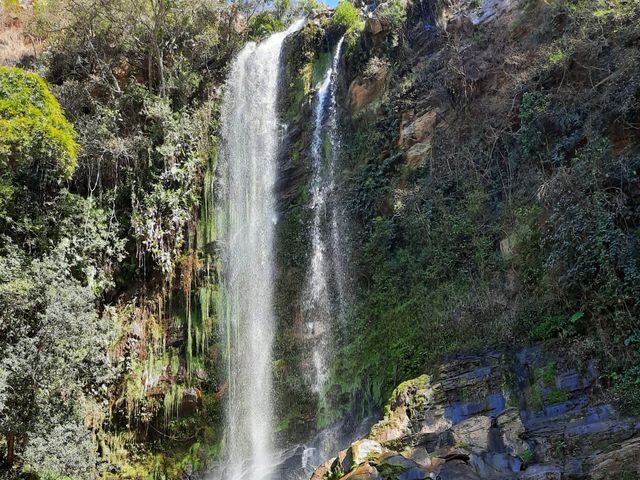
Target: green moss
533	397
389	471
556	396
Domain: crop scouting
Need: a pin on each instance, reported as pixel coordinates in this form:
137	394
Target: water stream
323	292
247	171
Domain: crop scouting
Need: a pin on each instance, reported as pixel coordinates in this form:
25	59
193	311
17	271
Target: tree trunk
11	454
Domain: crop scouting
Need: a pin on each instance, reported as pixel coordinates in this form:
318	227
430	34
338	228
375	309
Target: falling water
324	282
251	135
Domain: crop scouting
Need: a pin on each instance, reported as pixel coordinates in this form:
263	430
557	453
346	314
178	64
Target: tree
54	362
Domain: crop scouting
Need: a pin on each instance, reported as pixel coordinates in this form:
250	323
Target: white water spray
251	138
324	282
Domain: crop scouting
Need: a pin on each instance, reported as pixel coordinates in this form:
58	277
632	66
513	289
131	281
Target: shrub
35	137
347	17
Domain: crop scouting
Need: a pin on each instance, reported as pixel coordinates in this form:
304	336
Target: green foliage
557	326
264	23
393	13
335	474
531	136
37	143
626	387
390	471
347	17
526	456
55	348
556	396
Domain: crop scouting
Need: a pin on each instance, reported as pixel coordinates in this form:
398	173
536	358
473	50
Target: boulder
457	469
418	130
417	415
473	431
624	460
412	470
512	429
417	154
373	25
362	472
344	460
541	472
364	450
420	455
362	92
321	472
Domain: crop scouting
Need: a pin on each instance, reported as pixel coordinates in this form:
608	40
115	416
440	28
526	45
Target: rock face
476	419
416	136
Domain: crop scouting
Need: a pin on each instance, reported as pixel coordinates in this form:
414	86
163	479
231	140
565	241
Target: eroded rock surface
527	416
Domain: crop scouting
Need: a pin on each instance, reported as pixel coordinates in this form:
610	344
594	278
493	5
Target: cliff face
489	171
530	415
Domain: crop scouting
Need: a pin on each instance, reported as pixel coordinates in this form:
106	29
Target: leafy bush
36	139
264	23
393	13
557	326
347	17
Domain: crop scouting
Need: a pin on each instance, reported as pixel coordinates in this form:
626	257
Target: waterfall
324	287
246	208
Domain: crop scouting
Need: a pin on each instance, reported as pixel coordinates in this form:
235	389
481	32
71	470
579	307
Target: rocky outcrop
532	416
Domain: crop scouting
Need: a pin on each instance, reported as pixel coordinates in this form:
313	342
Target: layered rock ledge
530	416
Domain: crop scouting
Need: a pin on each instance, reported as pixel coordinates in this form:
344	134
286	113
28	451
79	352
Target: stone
412	469
541	472
321	472
362	472
512	430
397	459
420	455
362	92
417	154
473	431
624	460
373	25
457	470
344	460
419	130
364	450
